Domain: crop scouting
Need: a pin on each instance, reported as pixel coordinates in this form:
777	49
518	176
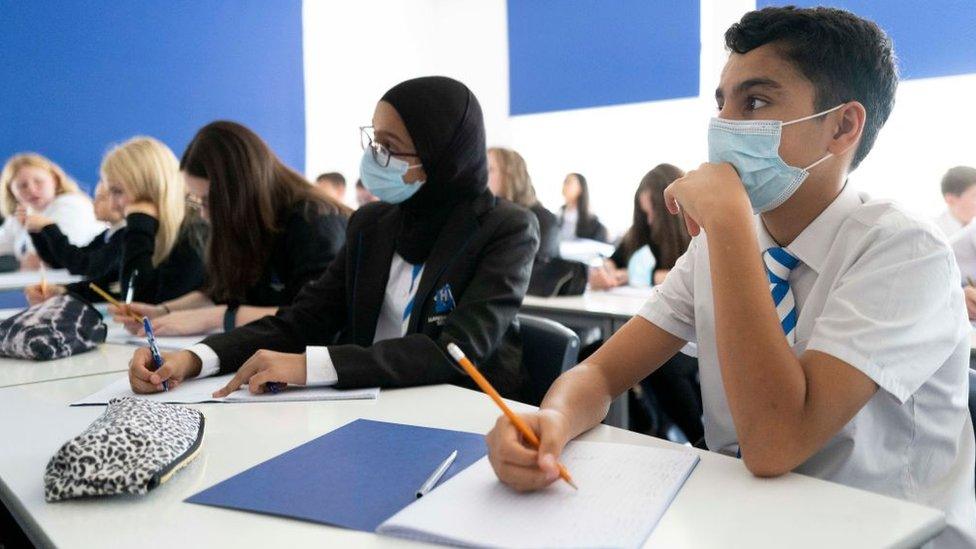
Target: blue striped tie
779	263
408	310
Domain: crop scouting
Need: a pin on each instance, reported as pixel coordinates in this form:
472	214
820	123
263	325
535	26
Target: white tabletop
106	358
620	303
721	505
18	280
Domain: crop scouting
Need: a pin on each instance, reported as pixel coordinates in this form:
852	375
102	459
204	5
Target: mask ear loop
811	166
812	116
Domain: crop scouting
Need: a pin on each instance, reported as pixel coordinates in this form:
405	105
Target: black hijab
445	122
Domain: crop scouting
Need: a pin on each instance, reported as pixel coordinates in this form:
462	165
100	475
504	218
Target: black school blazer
484	253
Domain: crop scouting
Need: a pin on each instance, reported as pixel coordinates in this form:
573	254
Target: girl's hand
267	367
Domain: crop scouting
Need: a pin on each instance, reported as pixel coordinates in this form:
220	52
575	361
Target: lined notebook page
624	491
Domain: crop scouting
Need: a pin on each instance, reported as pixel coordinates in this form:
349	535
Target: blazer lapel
371	273
458	230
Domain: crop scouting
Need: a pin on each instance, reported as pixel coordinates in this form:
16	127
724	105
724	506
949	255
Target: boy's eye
753	103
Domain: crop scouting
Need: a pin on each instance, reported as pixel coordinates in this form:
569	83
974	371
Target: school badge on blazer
443	305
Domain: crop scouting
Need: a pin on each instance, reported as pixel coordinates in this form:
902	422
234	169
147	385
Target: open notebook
364	476
201	390
623	492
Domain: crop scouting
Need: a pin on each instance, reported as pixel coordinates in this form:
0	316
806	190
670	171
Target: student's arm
8	235
56	250
784	407
202	321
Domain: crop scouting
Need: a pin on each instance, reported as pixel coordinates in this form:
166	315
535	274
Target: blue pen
157	358
275	386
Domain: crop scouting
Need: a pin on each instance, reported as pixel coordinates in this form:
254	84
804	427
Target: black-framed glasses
381	154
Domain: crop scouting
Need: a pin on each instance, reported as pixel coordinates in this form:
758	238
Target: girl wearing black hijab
439	260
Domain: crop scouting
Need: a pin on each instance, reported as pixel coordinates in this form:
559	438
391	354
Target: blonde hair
150	172
8	203
515	176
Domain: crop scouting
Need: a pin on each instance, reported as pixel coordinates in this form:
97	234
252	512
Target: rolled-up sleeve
671	306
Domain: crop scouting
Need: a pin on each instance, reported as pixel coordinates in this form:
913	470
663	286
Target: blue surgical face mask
387	183
752	147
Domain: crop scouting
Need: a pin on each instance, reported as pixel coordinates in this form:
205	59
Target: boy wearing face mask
831	330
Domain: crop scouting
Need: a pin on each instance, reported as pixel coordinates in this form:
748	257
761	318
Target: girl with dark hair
575	219
655	240
271	232
438	260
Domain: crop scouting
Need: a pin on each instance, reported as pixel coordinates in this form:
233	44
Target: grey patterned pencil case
133	447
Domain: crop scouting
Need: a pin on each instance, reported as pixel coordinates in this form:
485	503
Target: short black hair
959	179
846	57
335	178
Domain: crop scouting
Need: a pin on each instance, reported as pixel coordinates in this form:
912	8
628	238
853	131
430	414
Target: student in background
35	185
575	218
649	250
96	259
162	245
508	178
959	192
363	196
439	260
271	232
655	240
334	184
860	374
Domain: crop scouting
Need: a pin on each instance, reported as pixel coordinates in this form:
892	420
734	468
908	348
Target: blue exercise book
356	476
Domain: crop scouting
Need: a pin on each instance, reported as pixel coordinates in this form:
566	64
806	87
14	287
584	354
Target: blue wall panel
933	38
569	54
79	76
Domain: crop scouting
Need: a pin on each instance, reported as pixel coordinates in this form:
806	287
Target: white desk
608	310
106	358
18	280
721	505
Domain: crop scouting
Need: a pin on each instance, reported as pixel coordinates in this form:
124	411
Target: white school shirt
963	245
567	230
878	290
391	323
71	212
948	224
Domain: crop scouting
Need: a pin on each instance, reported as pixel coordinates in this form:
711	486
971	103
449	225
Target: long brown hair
668	231
515	174
251	193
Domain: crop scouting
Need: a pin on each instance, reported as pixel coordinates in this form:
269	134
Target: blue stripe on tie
779	291
408	309
773	279
783	257
790	321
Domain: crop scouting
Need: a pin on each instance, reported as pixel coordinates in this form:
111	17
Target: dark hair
251	193
668	232
957	180
335	178
359	184
846	57
582	205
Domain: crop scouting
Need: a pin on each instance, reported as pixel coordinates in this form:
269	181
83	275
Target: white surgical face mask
752	147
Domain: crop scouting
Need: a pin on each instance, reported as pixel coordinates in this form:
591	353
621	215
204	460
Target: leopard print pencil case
133	447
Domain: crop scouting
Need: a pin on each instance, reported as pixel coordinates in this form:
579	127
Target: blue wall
569	54
931	38
79	76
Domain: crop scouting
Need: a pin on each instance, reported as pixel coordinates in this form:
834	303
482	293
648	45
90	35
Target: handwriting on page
623	492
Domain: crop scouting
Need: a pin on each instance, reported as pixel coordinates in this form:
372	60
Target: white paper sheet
624	491
201	390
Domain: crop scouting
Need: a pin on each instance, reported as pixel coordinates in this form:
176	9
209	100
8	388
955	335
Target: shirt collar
813	243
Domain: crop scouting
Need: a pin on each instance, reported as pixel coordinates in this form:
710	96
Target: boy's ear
850	126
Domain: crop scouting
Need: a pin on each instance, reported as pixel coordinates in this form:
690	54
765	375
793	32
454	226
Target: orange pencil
529	435
43	280
108	297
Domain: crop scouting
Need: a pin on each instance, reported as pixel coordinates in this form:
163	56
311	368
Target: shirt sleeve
671	306
898	312
319	370
209	361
